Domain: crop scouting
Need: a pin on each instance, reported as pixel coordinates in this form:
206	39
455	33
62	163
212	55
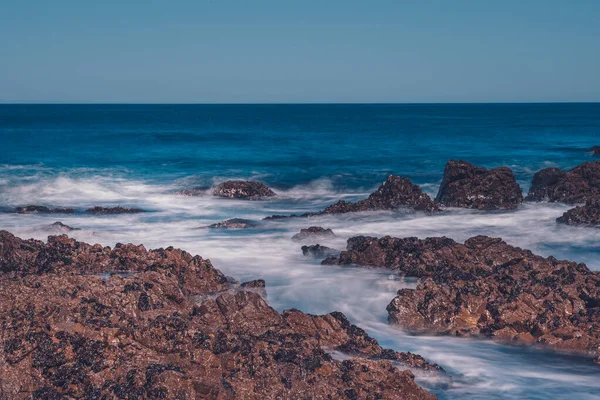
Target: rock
257	283
113	210
44	209
314	232
194	191
595	150
589	214
468	186
234	223
67	333
578	185
318	251
486	287
62	227
396	192
247	190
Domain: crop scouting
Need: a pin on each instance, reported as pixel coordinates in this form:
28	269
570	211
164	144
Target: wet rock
257	283
595	150
113	210
67	333
62	227
247	190
468	186
43	209
318	251
486	287
396	192
234	223
314	232
194	191
577	185
588	214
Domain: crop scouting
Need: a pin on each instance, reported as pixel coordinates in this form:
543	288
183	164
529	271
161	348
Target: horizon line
295	103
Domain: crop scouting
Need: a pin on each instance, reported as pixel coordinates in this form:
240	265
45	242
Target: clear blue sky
299	51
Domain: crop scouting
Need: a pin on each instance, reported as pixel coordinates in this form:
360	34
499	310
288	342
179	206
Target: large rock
468	186
246	190
313	233
396	192
588	214
486	287
578	185
173	329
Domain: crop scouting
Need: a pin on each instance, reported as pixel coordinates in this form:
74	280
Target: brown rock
314	232
578	185
586	215
246	190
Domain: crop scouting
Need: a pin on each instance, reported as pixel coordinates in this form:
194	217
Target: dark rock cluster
314	232
486	287
585	215
43	209
318	251
468	186
113	210
577	185
173	328
247	190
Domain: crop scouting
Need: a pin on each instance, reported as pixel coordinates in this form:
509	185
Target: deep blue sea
311	155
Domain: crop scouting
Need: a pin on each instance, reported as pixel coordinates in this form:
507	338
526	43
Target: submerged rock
396	192
67	333
578	185
43	209
247	190
588	214
468	186
595	150
318	251
113	210
234	223
486	287
314	232
62	227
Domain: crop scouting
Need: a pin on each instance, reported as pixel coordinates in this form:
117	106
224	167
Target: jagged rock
234	223
468	186
486	287
588	214
595	150
578	185
113	210
314	232
394	193
247	190
67	333
43	209
62	227
318	251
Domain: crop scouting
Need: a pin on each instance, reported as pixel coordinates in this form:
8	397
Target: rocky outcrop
43	209
59	226
468	186
587	215
173	328
314	232
595	150
113	210
234	223
486	287
318	251
578	185
247	190
396	192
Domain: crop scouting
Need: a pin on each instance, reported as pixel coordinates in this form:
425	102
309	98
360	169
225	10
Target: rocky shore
173	326
488	288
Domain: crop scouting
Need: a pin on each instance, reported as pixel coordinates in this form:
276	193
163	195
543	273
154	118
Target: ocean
311	155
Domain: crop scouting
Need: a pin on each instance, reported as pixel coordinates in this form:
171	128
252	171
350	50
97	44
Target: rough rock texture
468	186
195	191
234	223
486	287
395	192
59	226
595	150
113	210
44	209
314	232
243	190
170	330
318	251
589	214
578	185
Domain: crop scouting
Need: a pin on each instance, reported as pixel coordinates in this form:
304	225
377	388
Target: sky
299	51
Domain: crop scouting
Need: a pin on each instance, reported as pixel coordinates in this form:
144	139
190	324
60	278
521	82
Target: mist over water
138	157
